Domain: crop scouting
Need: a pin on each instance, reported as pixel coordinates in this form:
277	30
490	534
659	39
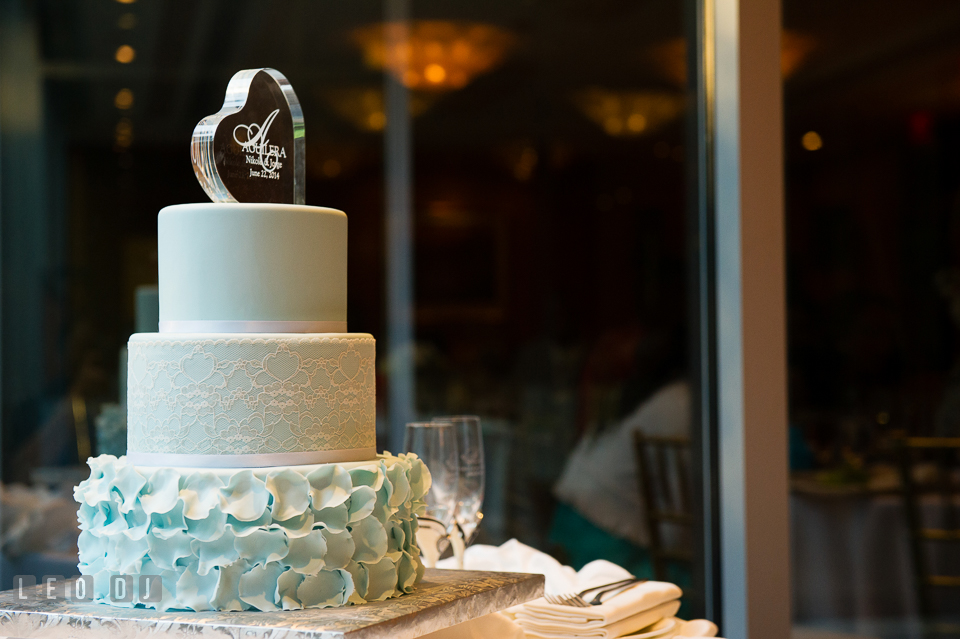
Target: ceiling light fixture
364	106
433	55
628	113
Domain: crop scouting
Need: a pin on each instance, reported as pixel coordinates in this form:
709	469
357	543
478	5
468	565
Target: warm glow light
123	99
364	107
794	49
636	122
435	74
624	113
126	1
123	133
811	141
671	56
331	168
526	163
376	121
434	55
127	21
125	54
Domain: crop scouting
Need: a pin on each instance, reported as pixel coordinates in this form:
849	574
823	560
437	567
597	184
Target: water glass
435	443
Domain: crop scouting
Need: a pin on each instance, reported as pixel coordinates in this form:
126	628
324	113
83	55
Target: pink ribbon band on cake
254	460
255	326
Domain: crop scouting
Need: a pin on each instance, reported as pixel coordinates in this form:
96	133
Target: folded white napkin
514	556
537	627
698	628
641	597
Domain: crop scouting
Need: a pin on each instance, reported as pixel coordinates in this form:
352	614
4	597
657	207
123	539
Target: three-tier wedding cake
251	479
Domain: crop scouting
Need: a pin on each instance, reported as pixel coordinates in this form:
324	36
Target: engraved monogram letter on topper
252	149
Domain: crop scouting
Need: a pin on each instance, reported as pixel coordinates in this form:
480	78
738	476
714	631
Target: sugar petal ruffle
138	522
418	475
196	591
362	501
129	482
243	528
215	553
200	494
258	586
266	539
340	548
335	519
209	528
366	477
166	551
381	579
246	497
370	540
162	491
227	596
263	546
330	486
306	554
359	578
407	572
397	474
298	526
326	589
92	547
291	493
169	523
287	584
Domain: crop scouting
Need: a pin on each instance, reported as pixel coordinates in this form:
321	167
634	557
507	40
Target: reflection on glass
543	176
872	218
433	55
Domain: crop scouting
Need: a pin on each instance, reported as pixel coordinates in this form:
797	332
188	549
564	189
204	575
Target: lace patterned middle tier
251	399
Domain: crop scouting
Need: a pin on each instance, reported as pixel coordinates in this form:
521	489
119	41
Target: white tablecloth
851	558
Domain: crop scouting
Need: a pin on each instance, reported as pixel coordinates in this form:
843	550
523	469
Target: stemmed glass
470	486
435	443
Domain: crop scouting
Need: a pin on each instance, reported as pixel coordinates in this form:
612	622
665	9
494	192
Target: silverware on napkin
577	599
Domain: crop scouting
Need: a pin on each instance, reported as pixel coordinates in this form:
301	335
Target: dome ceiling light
433	55
628	113
364	107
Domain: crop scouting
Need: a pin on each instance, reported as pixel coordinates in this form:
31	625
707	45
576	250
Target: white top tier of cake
248	263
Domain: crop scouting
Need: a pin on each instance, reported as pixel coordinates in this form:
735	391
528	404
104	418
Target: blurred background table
850	551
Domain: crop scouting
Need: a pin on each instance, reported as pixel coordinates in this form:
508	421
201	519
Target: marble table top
444	598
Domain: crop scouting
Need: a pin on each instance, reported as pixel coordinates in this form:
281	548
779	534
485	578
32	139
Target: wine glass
435	443
472	473
467	515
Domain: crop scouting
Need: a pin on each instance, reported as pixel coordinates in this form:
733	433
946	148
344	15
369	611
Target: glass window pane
871	104
535	154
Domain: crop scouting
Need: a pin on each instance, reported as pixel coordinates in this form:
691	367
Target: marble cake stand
444	598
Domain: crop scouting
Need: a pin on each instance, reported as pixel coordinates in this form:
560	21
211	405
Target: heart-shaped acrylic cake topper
252	149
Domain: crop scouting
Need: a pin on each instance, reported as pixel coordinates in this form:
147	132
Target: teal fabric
581	542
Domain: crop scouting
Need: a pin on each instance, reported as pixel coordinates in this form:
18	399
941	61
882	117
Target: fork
577	599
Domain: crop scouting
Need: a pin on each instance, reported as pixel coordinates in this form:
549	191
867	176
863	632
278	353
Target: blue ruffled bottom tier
254	539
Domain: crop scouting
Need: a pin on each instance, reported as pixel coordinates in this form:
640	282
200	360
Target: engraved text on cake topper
258	148
252	150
